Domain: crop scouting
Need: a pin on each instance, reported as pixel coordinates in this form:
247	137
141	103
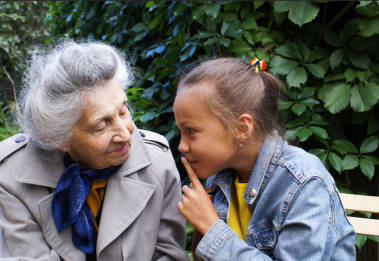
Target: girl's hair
231	87
55	85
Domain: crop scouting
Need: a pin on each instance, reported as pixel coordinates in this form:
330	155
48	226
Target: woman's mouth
123	149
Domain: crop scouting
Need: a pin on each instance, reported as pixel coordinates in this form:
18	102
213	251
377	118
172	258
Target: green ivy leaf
370	144
245	11
361	43
303	12
278	36
303	134
360	240
257	4
374	89
262	54
225	41
338	98
212	10
349	30
211	41
309	102
359	59
207	34
282	6
228	26
336	57
298	108
346	145
239	46
316	70
332	38
139	27
318	122
350	75
376	239
364	75
296	77
367	11
304	50
371	158
249	24
338	149
367	168
362	98
333	77
336	161
306	92
373	123
291	134
350	162
279	17
283	105
319	132
314	56
316	152
156	21
149	116
289	50
198	12
282	66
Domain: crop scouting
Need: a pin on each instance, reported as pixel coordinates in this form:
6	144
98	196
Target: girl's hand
196	206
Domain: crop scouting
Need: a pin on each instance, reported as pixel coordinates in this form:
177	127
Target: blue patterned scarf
70	206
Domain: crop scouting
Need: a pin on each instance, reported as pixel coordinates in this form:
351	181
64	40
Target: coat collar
125	197
42	172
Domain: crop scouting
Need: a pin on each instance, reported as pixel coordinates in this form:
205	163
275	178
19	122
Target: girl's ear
245	127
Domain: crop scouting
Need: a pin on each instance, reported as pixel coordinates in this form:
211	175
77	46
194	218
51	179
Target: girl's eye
191	131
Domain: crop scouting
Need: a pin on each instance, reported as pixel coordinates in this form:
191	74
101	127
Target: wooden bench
363	226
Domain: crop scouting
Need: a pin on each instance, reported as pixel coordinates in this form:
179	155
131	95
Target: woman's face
102	137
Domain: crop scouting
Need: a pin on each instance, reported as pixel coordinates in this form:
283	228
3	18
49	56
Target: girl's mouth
192	164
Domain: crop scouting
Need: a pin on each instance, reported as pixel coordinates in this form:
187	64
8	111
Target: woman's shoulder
162	161
12	145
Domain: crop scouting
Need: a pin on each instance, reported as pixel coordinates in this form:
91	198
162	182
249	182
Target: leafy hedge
21	26
326	52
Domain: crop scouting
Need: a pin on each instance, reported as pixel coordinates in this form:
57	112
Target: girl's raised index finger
191	174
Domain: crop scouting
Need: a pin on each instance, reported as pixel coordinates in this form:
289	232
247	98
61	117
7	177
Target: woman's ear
245	127
65	148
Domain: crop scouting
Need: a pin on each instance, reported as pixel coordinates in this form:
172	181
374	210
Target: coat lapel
60	242
125	197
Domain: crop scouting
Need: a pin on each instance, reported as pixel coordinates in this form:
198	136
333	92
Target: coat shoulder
12	144
152	138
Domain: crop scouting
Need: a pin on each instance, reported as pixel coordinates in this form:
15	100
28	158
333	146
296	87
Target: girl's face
207	145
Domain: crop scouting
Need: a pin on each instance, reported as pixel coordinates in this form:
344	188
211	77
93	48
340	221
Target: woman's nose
122	133
183	146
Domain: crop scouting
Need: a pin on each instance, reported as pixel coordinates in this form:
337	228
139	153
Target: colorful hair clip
209	191
259	65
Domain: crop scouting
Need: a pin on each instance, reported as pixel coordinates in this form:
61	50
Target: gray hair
56	83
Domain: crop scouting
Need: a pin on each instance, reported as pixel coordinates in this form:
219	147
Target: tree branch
340	14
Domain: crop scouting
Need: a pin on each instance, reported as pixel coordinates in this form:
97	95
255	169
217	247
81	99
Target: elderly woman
84	183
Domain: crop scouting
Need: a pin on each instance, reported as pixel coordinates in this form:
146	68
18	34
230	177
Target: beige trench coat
139	220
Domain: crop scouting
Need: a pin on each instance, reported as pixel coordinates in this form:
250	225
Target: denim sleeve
302	236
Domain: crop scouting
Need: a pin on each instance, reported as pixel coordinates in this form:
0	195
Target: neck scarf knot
70	206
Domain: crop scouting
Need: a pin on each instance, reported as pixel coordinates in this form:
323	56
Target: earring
240	143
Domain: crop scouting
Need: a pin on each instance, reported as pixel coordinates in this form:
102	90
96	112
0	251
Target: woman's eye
191	131
101	128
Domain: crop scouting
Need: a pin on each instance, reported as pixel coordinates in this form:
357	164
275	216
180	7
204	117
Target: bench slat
360	203
365	226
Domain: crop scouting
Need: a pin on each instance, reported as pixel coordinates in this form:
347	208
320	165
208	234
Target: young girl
271	201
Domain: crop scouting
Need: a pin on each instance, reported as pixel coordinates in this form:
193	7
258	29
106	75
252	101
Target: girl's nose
183	146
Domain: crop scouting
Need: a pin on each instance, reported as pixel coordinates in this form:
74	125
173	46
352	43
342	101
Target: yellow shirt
94	199
239	211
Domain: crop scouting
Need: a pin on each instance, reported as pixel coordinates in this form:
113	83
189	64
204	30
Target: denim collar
263	169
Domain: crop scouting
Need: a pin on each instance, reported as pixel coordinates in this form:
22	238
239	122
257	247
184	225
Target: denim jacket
297	211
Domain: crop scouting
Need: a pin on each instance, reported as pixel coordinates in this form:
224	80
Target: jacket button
253	192
142	134
20	139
